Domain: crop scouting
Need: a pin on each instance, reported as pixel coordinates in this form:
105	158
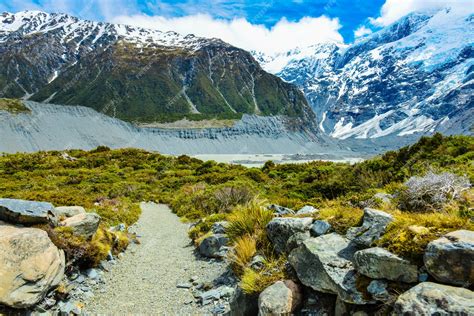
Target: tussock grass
253	282
13	106
245	248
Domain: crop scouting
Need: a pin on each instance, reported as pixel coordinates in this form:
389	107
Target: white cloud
283	36
362	31
393	10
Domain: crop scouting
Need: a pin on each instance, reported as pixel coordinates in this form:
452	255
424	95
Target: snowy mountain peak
413	76
30	22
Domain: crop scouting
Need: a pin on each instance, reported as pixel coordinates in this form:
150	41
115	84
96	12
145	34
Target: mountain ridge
411	77
136	74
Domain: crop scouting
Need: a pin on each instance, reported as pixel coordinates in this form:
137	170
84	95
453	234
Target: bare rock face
25	212
30	265
85	224
378	263
281	298
429	298
450	259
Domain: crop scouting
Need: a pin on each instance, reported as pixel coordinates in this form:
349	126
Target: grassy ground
13	106
112	182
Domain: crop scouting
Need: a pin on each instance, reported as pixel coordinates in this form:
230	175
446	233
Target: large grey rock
280	210
242	304
68	211
450	259
279	230
30	265
429	298
373	226
84	224
211	246
320	228
296	240
25	212
378	263
378	290
307	210
325	264
280	298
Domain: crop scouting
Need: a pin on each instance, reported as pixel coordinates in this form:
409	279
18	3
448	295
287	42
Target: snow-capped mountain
414	76
136	74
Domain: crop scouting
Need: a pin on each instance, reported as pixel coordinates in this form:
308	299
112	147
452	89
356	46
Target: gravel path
144	281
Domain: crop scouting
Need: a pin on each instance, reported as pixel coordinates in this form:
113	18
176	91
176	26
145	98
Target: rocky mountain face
136	74
410	78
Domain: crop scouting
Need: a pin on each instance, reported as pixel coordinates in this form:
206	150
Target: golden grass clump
245	248
253	282
251	220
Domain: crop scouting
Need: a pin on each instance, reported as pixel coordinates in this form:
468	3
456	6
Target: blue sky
270	26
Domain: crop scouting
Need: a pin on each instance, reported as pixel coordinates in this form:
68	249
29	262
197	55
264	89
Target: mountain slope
414	76
136	74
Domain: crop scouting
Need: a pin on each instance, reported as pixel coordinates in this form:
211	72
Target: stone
378	290
211	246
325	265
209	296
319	228
450	259
257	263
30	265
68	211
280	229
307	210
280	210
243	304
296	240
280	298
318	304
92	274
373	227
184	285
429	298
83	224
219	227
378	263
25	212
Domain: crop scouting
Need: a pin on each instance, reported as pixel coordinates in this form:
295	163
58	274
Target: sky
270	26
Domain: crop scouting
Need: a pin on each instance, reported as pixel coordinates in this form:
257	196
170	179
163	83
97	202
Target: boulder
450	259
280	298
280	229
280	210
307	210
296	240
429	298
219	227
25	212
68	211
242	304
378	263
320	228
325	264
373	226
30	265
85	224
211	246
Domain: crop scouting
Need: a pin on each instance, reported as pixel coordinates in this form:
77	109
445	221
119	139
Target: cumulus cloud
283	36
393	10
362	31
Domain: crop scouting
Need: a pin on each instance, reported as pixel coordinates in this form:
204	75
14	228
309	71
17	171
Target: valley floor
145	279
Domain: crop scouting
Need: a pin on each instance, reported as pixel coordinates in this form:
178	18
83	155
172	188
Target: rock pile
31	266
347	274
